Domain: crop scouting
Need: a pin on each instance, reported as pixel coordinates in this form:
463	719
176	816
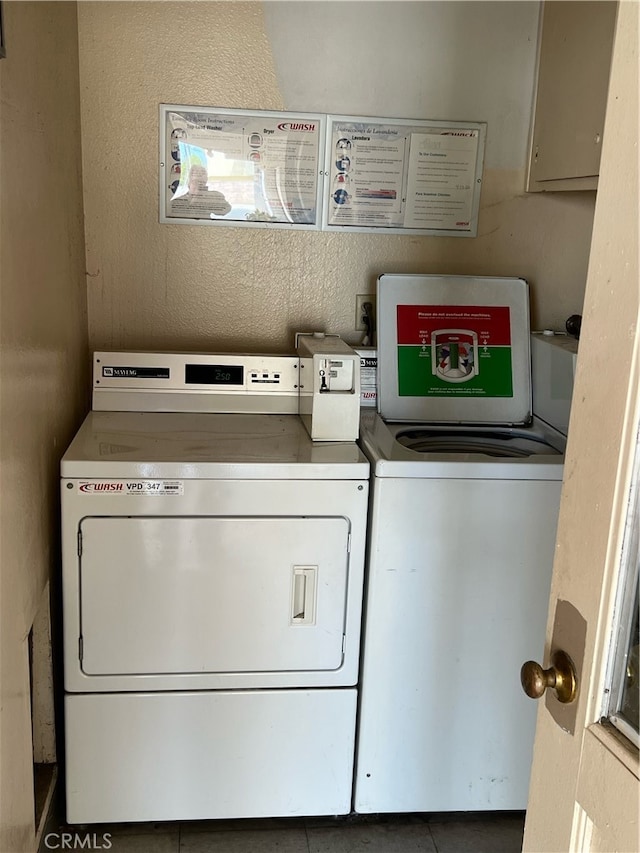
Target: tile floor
449	833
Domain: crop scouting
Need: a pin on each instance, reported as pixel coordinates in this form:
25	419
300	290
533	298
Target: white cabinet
576	42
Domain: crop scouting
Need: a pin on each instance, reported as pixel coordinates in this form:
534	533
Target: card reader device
329	393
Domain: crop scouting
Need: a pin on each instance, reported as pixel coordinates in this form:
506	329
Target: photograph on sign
240	167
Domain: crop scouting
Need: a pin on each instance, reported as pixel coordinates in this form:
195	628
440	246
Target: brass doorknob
561	676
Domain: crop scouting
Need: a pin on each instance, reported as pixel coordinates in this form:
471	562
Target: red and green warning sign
454	350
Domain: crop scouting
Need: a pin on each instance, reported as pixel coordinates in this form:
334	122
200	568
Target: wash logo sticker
144	488
454	350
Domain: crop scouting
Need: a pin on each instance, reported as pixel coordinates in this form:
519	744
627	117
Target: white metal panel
458	587
553	366
174	595
194	382
190	756
345	499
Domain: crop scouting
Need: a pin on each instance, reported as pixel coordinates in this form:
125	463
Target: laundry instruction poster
441	180
402	175
243	167
367	166
454	351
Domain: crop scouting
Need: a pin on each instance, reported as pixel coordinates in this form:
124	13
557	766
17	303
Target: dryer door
213	594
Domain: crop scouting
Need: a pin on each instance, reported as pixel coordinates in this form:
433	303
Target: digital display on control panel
214	374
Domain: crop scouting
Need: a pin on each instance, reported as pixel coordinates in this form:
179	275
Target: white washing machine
212	583
462	532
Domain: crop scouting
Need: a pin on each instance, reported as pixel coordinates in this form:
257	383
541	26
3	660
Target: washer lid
453	349
206	446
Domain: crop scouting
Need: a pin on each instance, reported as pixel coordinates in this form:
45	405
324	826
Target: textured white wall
45	359
197	287
458	61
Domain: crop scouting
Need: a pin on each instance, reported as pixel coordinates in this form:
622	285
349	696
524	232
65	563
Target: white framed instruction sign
240	167
403	176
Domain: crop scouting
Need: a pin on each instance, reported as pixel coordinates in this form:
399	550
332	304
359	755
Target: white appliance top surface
391	458
201	446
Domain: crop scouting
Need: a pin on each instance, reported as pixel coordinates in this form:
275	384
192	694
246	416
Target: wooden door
584	783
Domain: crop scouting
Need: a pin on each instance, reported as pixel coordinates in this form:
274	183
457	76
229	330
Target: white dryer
465	496
212	582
